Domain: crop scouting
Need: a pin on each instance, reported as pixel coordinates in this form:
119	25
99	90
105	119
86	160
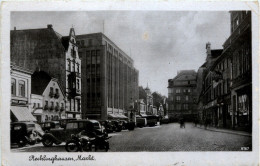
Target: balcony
57	108
62	109
46	107
51	107
74	92
57	95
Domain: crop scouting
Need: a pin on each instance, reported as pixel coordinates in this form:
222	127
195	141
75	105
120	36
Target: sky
160	42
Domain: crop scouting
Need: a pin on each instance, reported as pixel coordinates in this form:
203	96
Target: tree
142	93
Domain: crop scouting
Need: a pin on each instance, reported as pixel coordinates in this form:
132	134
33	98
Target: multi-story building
47	98
208	106
238	49
182	95
47	50
109	78
227	85
20	94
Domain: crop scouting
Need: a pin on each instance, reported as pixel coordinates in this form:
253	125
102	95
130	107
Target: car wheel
47	142
22	142
72	146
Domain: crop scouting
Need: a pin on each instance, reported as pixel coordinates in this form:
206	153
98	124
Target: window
90	42
34	105
77	67
38	105
51	89
73	66
46	103
78	84
185	106
72	126
178	106
98	57
88	57
178	98
93	57
69	67
22	88
189	90
13	86
187	98
178	91
82	42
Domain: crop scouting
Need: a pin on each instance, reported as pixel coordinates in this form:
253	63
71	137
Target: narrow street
167	137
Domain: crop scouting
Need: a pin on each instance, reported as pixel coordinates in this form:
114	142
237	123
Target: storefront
21	114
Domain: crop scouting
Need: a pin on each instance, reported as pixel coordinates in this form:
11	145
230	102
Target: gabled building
47	98
182	95
45	49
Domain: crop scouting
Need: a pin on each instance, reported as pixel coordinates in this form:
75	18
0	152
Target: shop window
22	88
13	86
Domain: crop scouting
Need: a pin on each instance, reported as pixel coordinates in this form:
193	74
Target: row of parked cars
50	132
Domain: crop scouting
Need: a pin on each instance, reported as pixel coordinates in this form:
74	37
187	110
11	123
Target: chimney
49	26
14	28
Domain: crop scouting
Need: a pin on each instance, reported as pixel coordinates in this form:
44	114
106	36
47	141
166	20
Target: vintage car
116	125
25	132
63	122
106	125
61	135
48	125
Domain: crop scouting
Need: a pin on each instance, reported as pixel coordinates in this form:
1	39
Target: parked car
107	125
141	122
25	132
48	125
164	120
61	135
63	122
116	125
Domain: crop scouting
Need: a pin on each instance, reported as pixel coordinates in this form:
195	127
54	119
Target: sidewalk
236	132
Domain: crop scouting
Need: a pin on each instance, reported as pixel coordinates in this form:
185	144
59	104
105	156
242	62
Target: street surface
167	137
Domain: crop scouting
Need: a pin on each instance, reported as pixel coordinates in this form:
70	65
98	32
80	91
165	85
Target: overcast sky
160	42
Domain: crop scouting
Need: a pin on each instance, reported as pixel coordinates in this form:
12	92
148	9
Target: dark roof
186	75
40	80
216	53
42	36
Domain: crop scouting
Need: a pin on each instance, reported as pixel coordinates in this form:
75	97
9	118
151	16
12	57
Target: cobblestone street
168	137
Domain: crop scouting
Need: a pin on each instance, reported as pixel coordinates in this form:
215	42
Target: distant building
47	98
149	101
47	50
109	78
20	94
182	95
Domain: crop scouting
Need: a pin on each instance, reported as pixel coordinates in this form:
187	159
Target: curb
229	132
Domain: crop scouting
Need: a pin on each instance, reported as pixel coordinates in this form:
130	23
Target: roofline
21	69
100	33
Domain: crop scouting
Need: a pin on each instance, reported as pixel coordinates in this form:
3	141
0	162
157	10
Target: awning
38	111
143	115
22	113
112	116
122	116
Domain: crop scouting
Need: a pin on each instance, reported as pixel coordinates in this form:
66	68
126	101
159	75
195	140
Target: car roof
22	123
83	120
